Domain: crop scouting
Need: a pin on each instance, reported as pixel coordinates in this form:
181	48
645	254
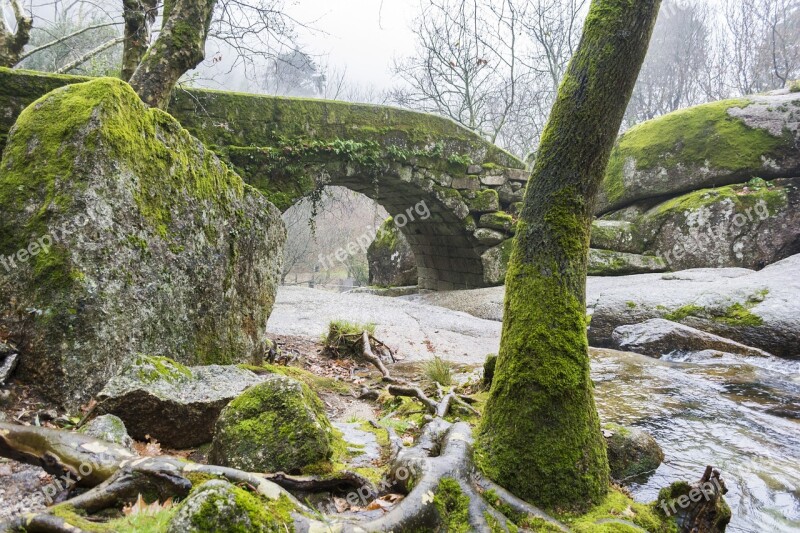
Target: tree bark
178	49
11	44
540	436
139	17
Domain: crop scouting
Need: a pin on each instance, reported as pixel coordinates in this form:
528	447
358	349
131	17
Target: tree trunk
540	436
139	16
178	49
11	44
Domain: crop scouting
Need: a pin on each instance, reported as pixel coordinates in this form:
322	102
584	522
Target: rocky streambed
738	413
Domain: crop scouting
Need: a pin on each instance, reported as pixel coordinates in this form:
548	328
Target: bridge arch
290	147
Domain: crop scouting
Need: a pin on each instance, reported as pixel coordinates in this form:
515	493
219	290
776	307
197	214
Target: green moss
249	513
151	368
529	440
452	505
794	87
690	138
386	238
279	425
499	220
684	312
138	523
344	339
742	197
43	167
317	383
483	200
735	315
617	506
738	315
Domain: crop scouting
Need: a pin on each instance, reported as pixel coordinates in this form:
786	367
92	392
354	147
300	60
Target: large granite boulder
123	234
277	426
759	309
658	337
172	403
719	143
391	261
750	225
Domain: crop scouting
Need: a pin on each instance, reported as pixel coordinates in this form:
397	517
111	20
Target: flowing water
740	415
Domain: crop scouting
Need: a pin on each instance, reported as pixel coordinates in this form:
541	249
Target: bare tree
679	55
465	64
139	17
14	39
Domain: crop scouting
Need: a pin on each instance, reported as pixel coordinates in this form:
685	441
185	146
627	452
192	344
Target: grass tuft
439	371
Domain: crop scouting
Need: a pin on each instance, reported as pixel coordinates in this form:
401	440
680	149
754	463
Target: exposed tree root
433	473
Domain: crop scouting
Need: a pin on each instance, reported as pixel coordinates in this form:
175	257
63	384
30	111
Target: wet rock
174	404
276	426
659	337
759	309
632	452
609	263
127	236
110	429
217	505
391	261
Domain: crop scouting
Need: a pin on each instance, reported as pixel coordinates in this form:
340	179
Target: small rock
659	337
632	452
174	404
489	237
276	426
110	429
8	363
220	506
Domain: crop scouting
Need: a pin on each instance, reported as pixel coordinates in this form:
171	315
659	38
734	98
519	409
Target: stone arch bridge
290	147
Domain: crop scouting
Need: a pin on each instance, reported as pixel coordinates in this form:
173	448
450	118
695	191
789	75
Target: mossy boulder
217	505
109	428
632	452
277	426
617	235
121	233
750	225
391	261
172	403
714	144
610	263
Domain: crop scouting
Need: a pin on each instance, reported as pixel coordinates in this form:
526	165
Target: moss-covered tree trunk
540	436
179	48
139	16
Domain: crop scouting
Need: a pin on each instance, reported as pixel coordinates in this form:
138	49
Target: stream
739	415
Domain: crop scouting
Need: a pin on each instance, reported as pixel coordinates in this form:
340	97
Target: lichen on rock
124	234
277	426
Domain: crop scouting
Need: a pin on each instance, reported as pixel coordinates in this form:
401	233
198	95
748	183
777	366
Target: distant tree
293	73
679	56
14	38
540	434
